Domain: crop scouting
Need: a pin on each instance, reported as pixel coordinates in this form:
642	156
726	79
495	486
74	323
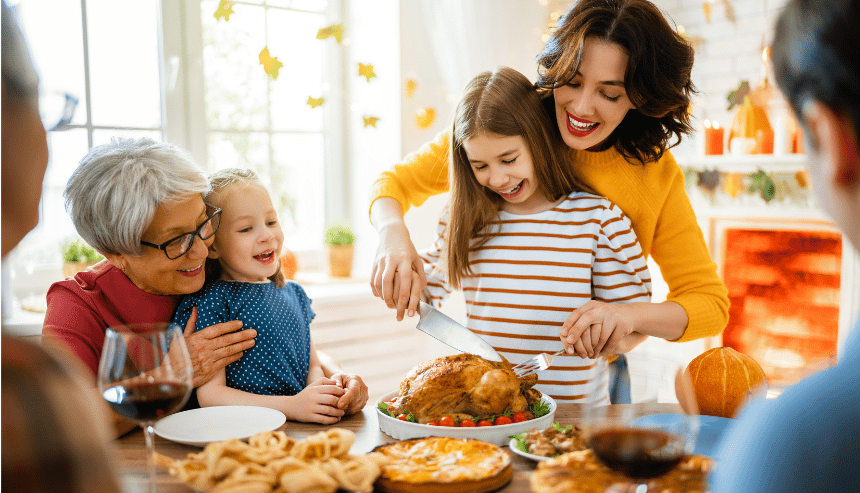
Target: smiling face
248	243
592	105
153	272
504	164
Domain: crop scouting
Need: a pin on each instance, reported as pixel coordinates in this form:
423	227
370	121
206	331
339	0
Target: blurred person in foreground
808	438
54	431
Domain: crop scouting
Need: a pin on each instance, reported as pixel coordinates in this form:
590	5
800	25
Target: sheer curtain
468	36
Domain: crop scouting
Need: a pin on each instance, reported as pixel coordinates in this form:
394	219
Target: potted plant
77	256
339	240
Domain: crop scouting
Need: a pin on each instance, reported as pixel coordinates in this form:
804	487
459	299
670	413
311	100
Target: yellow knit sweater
652	196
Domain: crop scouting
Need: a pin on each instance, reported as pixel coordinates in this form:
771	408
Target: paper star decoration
370	121
366	71
315	102
270	64
223	11
335	30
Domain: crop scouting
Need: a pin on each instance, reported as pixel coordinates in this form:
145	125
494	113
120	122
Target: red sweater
82	308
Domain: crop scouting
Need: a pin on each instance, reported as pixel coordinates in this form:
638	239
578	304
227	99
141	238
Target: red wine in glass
637	453
145	373
146	401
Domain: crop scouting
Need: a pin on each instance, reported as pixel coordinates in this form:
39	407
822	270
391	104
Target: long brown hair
657	79
220	180
502	102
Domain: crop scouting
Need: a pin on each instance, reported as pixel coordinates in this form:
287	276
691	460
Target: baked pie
582	472
441	463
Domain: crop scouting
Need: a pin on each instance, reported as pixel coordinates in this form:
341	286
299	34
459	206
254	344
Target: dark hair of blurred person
54	430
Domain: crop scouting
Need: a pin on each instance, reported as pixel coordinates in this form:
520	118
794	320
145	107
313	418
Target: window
172	71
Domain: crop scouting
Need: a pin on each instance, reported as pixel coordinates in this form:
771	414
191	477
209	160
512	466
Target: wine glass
145	374
647	448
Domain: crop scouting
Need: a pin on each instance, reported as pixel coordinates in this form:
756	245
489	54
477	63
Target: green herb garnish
520	442
540	408
558	427
383	407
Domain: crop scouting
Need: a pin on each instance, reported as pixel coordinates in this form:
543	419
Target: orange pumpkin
289	264
722	379
750	122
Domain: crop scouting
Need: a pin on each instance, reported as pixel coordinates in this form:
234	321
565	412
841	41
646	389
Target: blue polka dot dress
279	361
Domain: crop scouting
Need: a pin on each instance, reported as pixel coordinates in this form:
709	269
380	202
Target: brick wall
784	292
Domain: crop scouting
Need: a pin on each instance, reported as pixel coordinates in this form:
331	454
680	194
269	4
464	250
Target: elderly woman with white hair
140	204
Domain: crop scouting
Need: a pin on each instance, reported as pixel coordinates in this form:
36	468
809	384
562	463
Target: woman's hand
216	346
396	260
355	397
317	403
596	328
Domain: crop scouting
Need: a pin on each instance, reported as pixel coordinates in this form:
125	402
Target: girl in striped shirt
524	239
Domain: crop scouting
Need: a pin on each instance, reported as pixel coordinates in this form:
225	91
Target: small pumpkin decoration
289	264
750	122
722	379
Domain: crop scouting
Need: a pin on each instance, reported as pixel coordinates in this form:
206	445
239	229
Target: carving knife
444	328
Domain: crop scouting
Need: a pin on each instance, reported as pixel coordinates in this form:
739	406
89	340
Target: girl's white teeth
263	256
190	270
581	126
513	190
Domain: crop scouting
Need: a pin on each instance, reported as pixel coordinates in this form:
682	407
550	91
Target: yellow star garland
370	121
366	71
224	10
315	102
270	64
335	30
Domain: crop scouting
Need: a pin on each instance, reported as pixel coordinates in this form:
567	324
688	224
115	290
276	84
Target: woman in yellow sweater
616	78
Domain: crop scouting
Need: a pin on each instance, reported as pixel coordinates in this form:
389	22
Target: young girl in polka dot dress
283	370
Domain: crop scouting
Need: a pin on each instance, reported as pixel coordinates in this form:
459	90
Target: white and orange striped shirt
531	274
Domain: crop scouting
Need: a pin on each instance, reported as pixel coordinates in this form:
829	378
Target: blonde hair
220	181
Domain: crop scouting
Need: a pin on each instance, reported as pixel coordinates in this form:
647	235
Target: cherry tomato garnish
485	422
433	423
403	417
467	423
502	420
522	416
446	421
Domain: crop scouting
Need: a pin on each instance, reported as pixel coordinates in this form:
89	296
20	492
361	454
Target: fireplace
785	283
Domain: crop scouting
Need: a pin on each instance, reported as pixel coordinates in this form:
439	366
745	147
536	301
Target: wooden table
131	448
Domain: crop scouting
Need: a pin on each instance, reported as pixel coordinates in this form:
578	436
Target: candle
713	138
764	141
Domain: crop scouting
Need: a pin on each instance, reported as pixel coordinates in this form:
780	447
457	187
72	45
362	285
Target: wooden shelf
769	163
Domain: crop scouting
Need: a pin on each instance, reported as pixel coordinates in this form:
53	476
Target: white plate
514	449
212	424
499	435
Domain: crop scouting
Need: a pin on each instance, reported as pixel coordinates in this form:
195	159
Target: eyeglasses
56	110
179	246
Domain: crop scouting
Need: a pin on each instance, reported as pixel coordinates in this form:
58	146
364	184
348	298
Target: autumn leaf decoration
270	64
315	102
223	11
335	30
366	71
370	121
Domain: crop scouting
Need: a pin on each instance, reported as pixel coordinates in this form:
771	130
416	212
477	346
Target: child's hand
355	396
595	329
317	403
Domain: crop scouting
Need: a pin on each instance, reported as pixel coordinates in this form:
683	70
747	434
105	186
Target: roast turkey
462	386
